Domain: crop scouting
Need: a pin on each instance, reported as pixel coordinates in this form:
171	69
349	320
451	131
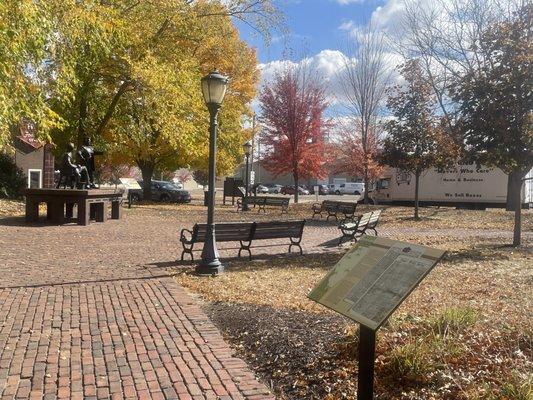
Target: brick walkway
91	318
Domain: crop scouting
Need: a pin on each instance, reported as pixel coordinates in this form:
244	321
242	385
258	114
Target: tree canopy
415	139
495	104
292	107
127	73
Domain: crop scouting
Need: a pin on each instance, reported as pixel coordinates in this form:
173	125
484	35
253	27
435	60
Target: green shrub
453	320
410	360
512	391
12	179
420	356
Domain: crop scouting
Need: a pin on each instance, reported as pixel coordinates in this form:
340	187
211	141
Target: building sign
252	177
374	278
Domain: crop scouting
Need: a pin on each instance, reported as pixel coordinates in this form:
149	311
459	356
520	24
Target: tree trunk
295	188
517	233
417	181
514	185
367	181
147	171
514	202
82	117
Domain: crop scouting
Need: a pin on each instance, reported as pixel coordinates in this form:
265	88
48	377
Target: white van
356	188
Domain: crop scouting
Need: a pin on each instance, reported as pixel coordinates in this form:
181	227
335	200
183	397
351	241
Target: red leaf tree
356	156
292	112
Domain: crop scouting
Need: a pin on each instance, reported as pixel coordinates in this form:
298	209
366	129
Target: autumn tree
292	108
495	105
183	175
414	139
364	78
113	172
160	120
355	155
24	27
80	65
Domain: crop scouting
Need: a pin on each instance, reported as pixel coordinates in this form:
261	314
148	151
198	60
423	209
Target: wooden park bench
263	201
333	208
244	233
291	230
359	225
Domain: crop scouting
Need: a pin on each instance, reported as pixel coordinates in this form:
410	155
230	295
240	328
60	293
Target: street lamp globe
214	88
247	147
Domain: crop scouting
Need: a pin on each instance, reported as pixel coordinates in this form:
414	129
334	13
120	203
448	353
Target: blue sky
319	30
314	25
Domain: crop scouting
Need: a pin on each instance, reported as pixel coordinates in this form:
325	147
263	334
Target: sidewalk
90	325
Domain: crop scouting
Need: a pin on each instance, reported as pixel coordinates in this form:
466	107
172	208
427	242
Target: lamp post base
210	264
214	267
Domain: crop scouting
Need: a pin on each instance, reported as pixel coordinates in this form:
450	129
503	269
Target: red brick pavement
90	318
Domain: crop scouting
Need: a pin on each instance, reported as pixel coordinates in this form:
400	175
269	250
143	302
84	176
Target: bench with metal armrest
244	233
333	208
263	201
359	225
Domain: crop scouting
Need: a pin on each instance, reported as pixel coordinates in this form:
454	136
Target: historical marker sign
374	278
130	183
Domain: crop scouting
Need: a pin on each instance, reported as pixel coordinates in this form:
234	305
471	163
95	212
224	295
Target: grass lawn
465	333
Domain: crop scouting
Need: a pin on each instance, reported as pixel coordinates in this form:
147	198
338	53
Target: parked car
162	191
260	189
334	188
273	188
356	188
322	189
290	190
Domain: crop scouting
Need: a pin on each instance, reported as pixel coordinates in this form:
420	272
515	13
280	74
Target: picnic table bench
333	207
245	233
263	201
91	204
359	225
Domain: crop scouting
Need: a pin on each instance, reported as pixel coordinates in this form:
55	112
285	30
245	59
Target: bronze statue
86	155
74	175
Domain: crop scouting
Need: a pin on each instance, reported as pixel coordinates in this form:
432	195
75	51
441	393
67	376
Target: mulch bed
295	352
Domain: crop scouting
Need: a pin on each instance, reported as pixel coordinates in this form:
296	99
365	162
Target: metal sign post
367	355
372	279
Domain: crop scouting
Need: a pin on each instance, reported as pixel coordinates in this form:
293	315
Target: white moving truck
464	185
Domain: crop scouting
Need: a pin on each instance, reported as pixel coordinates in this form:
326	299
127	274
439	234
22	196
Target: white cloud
325	67
345	2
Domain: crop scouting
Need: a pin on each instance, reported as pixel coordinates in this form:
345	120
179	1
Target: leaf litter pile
464	333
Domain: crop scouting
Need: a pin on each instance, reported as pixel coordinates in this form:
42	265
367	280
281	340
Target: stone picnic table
60	203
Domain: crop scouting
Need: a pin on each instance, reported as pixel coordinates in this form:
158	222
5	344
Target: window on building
34	178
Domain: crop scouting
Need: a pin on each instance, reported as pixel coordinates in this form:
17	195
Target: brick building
33	156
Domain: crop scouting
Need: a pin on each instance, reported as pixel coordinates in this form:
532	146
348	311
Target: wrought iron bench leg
297	244
319	213
187	250
350	234
247	248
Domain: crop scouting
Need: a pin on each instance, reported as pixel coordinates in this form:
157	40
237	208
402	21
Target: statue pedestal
90	204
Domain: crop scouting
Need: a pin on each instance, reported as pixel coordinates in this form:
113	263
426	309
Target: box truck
464	185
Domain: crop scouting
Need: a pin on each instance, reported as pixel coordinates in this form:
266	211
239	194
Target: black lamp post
213	89
247	151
